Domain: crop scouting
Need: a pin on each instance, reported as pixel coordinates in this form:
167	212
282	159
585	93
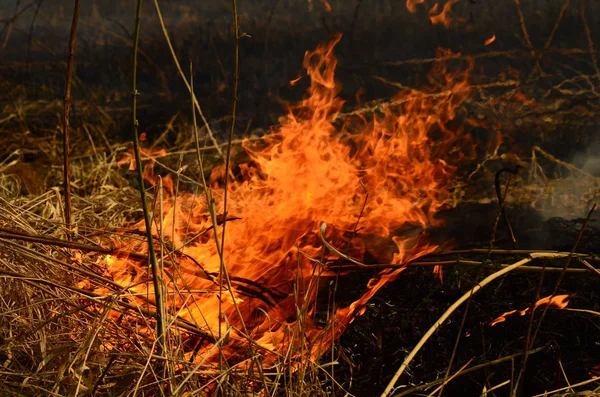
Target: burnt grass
375	34
377	342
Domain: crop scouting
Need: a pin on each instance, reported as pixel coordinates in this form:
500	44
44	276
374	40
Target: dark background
376	34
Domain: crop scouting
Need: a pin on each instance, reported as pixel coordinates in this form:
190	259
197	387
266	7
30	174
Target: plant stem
66	112
236	33
138	162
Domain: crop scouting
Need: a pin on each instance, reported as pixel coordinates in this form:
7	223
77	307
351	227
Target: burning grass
252	287
263	318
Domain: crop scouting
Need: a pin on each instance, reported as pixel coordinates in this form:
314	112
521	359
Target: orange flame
558	301
412	5
444	16
295	81
436	16
145	154
490	40
365	179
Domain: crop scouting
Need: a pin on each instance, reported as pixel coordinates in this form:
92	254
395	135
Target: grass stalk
185	81
66	114
234	100
140	177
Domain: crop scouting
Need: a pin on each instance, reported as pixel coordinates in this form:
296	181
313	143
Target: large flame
366	178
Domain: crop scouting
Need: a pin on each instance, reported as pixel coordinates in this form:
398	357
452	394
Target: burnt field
322	198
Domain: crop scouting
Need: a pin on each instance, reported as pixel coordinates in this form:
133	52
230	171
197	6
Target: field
299	198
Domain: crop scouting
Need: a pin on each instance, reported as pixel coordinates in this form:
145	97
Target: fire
319	175
490	40
146	154
442	17
558	301
436	16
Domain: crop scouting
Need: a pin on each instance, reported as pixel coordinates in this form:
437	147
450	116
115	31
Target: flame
436	16
411	5
325	4
295	81
439	272
557	301
146	154
490	40
366	179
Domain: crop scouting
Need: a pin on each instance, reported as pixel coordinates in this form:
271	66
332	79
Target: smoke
573	188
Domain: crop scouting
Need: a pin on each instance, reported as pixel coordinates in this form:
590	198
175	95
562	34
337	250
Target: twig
467	371
103	374
568	166
138	160
588	35
33	281
234	101
465	263
524	27
85	247
9	22
509	252
570	387
501	206
589	266
483	55
66	112
561	14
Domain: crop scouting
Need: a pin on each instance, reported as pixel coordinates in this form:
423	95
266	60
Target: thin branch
559	19
467	371
66	113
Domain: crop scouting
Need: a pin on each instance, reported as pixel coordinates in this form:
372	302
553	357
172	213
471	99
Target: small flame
490	40
412	5
439	272
444	16
327	5
557	301
436	16
145	154
295	81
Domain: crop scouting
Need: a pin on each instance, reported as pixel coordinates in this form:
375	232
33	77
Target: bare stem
66	112
236	78
138	162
